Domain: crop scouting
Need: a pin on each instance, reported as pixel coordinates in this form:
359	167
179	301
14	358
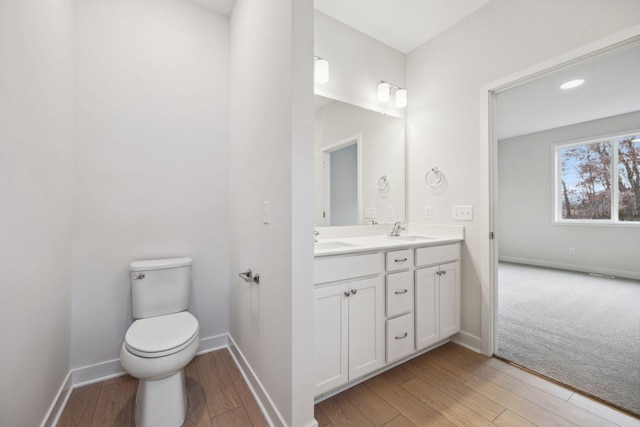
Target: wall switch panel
370	213
427	212
265	212
462	213
390	212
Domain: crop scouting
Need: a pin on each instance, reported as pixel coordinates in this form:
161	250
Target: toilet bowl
162	341
156	350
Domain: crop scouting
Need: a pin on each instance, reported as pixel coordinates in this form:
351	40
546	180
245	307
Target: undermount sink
409	237
332	245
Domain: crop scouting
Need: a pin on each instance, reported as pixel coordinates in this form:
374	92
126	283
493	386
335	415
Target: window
598	181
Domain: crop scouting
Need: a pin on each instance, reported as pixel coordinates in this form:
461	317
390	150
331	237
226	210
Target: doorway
520	234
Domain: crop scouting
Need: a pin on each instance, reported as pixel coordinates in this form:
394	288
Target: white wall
525	169
383	139
36	144
271	159
151	161
357	63
444	80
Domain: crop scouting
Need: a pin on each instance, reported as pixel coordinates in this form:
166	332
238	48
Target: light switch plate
370	213
390	212
462	213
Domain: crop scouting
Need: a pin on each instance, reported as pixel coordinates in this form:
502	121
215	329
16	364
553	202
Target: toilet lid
161	333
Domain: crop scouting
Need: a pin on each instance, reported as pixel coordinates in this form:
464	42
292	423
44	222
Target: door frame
489	160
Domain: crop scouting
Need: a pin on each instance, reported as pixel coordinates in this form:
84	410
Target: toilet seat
161	335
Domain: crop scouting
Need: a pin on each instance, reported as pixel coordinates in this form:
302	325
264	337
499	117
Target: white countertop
348	245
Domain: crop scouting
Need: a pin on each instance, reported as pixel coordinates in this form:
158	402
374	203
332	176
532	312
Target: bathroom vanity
380	300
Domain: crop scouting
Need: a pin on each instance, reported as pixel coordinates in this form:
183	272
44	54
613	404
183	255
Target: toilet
162	340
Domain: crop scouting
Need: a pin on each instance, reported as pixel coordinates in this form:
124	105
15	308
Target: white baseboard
269	409
573	267
469	341
213	343
58	404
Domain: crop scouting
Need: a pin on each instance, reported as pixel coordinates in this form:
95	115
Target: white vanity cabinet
349	319
375	308
437	294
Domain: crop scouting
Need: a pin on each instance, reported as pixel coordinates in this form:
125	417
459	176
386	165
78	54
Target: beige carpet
580	330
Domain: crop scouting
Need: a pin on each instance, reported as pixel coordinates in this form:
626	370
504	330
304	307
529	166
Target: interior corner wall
151	158
357	64
526	203
271	160
444	79
36	181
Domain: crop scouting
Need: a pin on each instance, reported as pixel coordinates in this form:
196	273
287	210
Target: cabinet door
449	299
427	307
331	339
366	326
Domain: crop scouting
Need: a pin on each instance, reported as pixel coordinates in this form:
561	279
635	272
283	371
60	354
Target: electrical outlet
572	251
427	212
390	212
462	213
370	213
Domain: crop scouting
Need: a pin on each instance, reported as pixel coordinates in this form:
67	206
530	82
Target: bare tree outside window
586	188
629	179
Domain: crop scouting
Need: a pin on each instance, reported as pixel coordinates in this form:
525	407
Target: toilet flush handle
139	276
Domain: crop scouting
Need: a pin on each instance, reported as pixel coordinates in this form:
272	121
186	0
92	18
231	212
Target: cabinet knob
346	293
354	291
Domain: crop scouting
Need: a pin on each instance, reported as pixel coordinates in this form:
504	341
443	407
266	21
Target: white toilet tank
160	286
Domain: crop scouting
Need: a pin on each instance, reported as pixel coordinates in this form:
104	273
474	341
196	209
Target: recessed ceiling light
571	84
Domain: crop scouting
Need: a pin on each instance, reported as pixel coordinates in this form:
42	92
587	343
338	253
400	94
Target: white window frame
557	182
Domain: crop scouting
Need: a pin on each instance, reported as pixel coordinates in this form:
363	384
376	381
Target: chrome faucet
397	228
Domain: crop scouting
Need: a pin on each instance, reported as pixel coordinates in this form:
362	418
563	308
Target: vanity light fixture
571	84
321	70
383	91
401	98
384	94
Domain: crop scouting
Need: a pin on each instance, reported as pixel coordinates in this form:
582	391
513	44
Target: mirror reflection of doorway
342	182
342	168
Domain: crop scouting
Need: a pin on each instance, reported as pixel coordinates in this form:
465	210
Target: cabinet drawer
399	293
399	260
437	254
399	337
348	267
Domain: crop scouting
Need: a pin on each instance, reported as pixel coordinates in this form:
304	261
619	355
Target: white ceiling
612	87
402	24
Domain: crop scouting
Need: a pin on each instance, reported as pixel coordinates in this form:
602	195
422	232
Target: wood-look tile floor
449	386
453	386
216	391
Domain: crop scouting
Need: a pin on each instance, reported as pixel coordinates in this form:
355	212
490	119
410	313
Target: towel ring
383	183
433	177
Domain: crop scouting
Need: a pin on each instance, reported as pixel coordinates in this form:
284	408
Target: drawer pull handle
399	337
401	259
402	292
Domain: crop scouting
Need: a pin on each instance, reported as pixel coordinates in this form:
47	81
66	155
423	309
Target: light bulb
571	84
322	71
401	98
383	92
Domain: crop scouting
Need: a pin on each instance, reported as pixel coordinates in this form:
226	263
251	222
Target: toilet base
161	402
